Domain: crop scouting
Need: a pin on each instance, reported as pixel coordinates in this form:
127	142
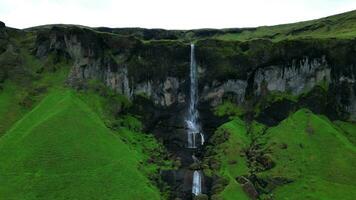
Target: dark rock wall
252	69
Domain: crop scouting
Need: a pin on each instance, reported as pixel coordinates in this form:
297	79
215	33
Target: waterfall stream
196	188
194	128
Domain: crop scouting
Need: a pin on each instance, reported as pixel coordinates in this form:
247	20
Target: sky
168	14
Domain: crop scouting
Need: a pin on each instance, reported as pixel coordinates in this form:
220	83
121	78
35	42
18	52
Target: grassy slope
319	159
229	154
16	100
24	88
62	150
337	26
349	129
10	110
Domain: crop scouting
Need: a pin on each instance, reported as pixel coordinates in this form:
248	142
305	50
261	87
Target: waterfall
193	126
196	188
194	129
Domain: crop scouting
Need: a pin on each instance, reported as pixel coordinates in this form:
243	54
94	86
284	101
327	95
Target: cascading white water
196	188
193	125
192	119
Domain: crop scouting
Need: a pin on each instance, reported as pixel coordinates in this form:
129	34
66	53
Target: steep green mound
315	156
230	141
306	156
62	150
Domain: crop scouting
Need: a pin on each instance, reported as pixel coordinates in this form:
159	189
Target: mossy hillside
64	150
227	159
27	83
223	60
337	26
157	60
10	110
318	159
114	111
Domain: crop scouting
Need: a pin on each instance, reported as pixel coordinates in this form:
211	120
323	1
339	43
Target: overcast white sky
169	14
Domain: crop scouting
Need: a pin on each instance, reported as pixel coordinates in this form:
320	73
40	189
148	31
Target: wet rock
217	188
195	166
248	187
219	185
266	161
201	197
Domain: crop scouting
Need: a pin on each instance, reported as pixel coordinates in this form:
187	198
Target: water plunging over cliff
196	188
193	125
194	128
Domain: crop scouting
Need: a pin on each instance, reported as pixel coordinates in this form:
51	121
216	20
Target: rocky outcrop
215	92
294	79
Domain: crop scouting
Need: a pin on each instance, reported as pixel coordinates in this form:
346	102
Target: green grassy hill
313	158
319	159
62	150
337	26
227	153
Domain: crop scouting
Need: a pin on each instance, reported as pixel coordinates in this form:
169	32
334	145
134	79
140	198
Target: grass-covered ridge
227	159
306	156
316	156
63	150
341	26
337	26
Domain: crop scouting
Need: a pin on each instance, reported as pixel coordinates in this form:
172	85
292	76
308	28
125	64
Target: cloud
171	14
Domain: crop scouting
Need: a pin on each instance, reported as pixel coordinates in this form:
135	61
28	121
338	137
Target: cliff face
253	69
125	64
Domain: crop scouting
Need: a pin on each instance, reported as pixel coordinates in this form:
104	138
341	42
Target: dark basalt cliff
249	70
151	68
